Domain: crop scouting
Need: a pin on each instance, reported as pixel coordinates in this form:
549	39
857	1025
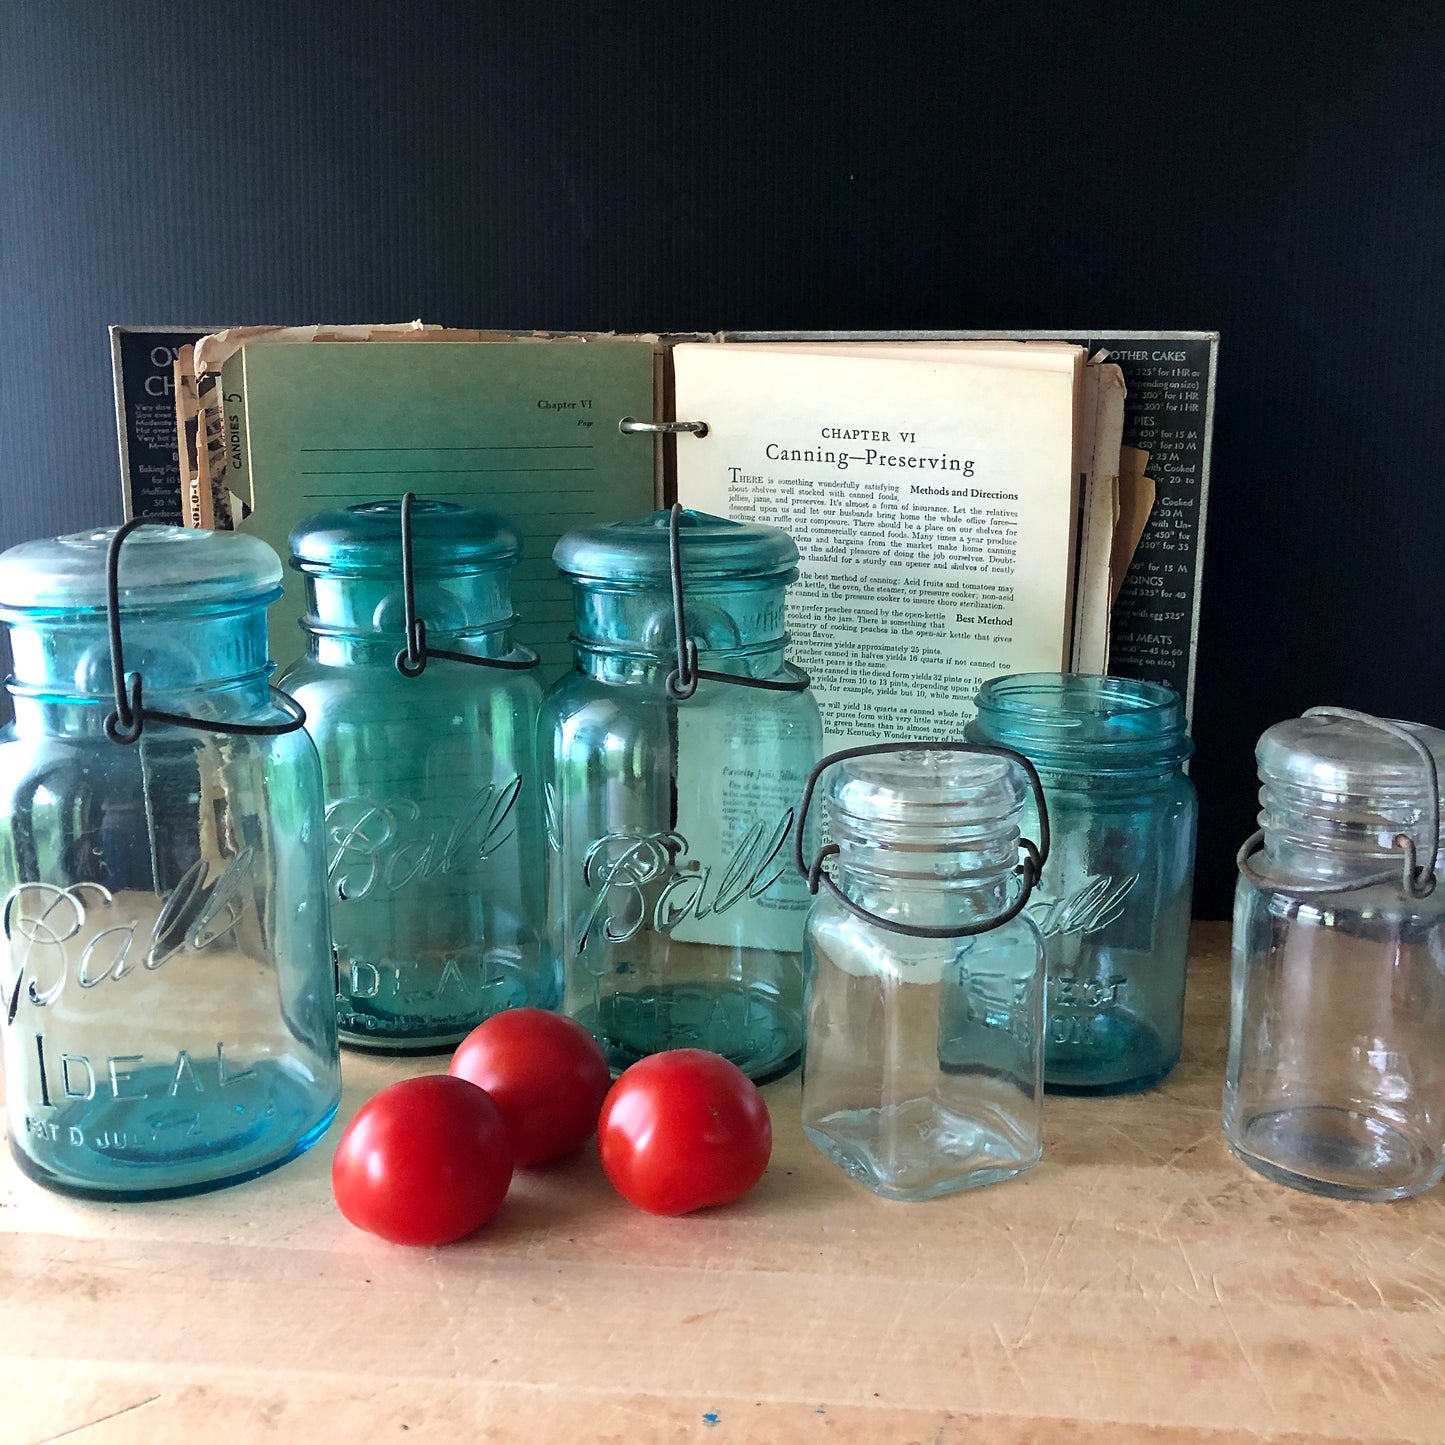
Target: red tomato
682	1130
424	1161
547	1075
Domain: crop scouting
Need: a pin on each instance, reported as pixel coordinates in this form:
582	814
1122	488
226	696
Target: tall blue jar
169	1023
672	783
1113	903
433	821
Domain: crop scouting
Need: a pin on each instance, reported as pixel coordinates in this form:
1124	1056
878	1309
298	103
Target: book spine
233	495
209	455
188	435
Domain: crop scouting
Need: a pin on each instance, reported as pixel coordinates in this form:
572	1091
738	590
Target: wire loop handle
1029	867
1416	880
125	723
411	661
682	681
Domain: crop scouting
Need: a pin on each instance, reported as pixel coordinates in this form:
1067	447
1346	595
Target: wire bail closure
1029	868
125	723
411	661
682	681
1416	881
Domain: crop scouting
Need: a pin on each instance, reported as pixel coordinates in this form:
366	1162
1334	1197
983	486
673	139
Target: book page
1031	355
524	429
1102	549
933	503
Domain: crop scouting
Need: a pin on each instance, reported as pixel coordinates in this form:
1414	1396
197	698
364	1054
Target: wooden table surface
1138	1285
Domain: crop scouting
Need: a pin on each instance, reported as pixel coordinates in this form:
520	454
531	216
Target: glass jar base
748	1027
166	1147
953	1153
377	1030
1115	1054
1336	1152
396	1045
1068	1087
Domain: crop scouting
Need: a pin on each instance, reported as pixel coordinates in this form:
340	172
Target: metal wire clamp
411	661
1416	880
682	681
1029	868
125	723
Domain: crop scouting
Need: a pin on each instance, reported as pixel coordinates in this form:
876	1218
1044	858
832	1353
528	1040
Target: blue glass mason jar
675	753
169	1022
433	819
1336	1076
923	1072
1113	904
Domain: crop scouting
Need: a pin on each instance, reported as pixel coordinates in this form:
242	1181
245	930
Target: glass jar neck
1079	777
1083	730
351	649
928	889
627	633
1328	837
617	663
212	663
457	606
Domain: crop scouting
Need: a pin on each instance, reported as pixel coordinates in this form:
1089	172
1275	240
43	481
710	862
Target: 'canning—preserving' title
874	456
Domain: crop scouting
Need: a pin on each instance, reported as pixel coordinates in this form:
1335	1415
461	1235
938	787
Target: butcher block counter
1138	1285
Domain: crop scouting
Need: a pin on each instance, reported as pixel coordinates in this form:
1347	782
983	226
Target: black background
1275	172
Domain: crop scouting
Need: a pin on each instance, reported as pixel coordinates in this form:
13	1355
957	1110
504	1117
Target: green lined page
527	429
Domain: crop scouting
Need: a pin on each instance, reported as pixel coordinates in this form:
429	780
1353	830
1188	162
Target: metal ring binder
629	425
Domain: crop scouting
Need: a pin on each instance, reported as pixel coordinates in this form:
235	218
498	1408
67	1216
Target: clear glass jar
1336	1073
1113	905
924	1065
433	819
673	905
170	1023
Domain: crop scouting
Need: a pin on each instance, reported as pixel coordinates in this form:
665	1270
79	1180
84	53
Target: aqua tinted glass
433	821
170	1019
672	908
1114	902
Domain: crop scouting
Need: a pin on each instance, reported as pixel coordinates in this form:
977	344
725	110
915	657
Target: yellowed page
1104	427
1031	355
933	503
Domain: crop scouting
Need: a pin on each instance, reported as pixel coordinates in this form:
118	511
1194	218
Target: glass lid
365	540
1348	757
159	566
713	549
942	794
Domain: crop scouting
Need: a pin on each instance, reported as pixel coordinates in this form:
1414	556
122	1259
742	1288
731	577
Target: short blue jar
1113	904
674	766
433	819
169	1016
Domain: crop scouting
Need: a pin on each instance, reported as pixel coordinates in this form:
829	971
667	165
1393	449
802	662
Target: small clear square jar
923	1069
1335	1082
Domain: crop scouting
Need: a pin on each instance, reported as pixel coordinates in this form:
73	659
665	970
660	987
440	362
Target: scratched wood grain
1138	1285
